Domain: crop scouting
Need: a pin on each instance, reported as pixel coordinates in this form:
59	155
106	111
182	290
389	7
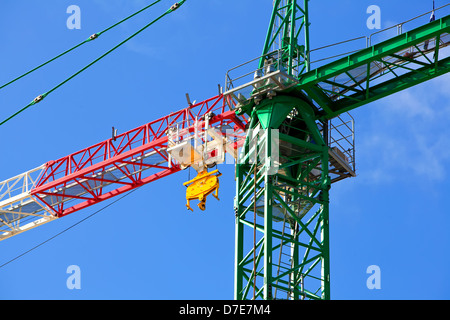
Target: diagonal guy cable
92	37
42	96
67	229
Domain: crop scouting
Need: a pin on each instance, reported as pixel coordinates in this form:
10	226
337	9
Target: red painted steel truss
124	162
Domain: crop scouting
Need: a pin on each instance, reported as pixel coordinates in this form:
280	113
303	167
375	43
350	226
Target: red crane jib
124	162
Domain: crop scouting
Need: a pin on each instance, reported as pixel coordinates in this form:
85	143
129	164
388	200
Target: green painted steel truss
288	26
380	70
283	173
281	207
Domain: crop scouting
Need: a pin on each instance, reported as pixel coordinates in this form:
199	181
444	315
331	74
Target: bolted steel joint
38	98
209	115
175	6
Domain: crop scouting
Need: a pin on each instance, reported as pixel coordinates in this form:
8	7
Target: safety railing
249	80
320	56
21	184
341	138
407	25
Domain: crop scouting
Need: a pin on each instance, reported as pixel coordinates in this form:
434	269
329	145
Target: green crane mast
282	181
289	159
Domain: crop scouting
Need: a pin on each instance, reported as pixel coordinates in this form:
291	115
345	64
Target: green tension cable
41	97
92	37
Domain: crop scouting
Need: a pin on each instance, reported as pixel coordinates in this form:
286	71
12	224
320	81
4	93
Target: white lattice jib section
19	210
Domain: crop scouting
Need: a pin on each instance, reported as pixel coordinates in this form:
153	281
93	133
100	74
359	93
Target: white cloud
142	48
407	136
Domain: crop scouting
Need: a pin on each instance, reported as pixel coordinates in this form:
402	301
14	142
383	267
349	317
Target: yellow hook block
201	186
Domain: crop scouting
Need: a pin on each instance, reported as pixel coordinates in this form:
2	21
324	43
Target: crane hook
204	184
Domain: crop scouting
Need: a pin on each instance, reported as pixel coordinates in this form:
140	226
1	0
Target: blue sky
395	214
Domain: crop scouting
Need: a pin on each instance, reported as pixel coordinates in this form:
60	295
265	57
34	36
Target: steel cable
41	97
93	37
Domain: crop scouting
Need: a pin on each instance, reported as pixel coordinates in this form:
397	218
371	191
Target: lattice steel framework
288	161
106	169
281	207
282	244
288	32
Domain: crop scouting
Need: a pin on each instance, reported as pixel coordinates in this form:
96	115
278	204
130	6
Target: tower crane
282	118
